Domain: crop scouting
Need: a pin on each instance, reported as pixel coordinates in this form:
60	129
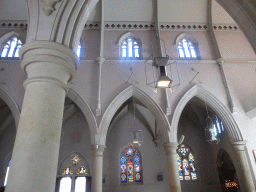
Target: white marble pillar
97	167
173	166
244	165
48	66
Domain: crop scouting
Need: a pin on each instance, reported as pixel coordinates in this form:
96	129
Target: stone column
97	167
244	165
173	166
48	66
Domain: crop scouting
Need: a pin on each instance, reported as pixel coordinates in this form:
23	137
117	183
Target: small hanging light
211	132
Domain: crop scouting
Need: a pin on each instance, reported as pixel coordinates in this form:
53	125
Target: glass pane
123	52
13	46
4	52
186	169
181	53
7	172
136	52
78	50
17	51
179	167
137	168
185	45
80	184
183	149
129	47
82	170
75	160
193	52
130	171
67	171
65	184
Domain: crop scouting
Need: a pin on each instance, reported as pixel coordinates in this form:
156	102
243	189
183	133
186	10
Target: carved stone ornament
49	6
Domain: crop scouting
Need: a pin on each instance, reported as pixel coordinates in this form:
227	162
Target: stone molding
170	147
48	80
51	52
49	6
222	111
98	150
239	145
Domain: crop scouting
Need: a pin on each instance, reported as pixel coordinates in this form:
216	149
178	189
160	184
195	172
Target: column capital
98	150
239	145
171	147
49	53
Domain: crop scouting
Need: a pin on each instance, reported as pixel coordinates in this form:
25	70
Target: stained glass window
75	160
82	170
130	164
67	171
11	48
130	49
186	49
7	172
186	163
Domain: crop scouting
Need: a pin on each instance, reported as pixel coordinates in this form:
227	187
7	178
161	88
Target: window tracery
186	163
130	164
11	48
130	49
74	176
187	49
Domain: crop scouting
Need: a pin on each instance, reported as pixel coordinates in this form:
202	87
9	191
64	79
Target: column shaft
172	166
36	148
97	167
244	165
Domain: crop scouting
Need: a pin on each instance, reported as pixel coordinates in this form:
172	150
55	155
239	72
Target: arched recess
85	108
243	13
12	105
142	97
197	91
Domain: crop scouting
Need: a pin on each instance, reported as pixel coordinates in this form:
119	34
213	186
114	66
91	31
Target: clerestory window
130	49
7	172
187	49
78	50
11	48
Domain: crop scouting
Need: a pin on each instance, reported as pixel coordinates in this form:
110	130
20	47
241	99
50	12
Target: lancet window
130	165
186	163
187	49
130	49
11	48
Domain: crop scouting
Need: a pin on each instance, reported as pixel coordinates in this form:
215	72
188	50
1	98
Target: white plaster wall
13	10
234	45
133	10
219	15
154	159
183	11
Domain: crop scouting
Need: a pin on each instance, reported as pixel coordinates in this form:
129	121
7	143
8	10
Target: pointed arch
85	108
146	100
197	91
12	105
